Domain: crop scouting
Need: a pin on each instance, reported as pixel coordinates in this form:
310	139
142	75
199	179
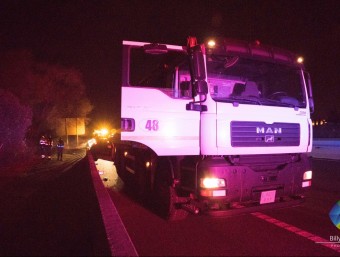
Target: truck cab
220	124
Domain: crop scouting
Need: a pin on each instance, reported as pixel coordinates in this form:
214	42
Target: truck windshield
249	81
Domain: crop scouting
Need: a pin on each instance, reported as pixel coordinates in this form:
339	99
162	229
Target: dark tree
15	120
52	91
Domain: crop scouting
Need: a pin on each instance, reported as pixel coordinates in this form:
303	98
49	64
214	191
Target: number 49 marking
151	125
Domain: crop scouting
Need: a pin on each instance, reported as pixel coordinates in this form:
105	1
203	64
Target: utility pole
77	129
66	131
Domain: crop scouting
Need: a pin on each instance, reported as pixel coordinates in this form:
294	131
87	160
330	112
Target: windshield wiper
259	101
278	103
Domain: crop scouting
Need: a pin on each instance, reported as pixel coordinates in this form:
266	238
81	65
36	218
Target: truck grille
260	134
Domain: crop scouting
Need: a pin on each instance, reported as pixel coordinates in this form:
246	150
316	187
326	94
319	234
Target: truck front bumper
256	183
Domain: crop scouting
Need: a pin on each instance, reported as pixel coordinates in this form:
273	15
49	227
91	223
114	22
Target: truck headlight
307	175
307	178
212	182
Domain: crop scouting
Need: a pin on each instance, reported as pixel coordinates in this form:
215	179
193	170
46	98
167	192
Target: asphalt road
52	210
304	230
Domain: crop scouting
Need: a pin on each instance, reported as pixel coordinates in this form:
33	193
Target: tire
119	164
165	195
113	153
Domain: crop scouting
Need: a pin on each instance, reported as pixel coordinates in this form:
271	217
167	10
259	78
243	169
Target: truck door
154	97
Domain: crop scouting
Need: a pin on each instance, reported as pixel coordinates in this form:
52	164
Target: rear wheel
119	163
113	152
143	178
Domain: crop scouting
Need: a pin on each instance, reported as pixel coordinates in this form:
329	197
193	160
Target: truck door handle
127	124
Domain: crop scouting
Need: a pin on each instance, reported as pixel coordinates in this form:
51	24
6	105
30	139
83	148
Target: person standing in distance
60	149
42	144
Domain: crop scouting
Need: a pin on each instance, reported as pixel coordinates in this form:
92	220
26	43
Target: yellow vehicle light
300	59
211	43
104	131
147	164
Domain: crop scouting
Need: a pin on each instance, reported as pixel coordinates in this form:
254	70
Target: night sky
87	35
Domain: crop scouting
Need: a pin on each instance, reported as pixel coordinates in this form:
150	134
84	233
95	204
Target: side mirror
198	75
198	63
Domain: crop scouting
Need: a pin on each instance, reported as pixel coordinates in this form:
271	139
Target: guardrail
117	237
333	142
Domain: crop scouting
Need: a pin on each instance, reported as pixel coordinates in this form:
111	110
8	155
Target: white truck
214	127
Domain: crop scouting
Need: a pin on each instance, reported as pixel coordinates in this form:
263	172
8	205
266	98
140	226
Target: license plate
267	196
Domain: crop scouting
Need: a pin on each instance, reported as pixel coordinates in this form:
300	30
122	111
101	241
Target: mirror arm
198	75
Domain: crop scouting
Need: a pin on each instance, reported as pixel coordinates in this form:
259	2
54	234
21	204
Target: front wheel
119	162
113	153
165	194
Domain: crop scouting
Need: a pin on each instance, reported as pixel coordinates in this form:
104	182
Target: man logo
263	130
269	139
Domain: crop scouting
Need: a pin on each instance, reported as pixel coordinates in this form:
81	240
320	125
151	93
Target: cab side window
153	70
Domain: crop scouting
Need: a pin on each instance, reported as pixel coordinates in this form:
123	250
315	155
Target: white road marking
298	231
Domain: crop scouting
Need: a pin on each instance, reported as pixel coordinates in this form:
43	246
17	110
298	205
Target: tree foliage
33	95
51	91
15	119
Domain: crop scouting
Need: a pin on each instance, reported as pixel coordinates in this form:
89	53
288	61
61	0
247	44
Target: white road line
297	231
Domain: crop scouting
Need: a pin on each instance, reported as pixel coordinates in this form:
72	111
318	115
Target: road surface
52	210
303	230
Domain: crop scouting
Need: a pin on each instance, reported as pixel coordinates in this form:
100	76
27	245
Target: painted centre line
298	231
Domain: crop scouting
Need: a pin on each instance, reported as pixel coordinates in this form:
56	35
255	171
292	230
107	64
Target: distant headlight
91	142
212	182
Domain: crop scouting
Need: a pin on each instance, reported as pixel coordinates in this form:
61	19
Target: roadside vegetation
33	96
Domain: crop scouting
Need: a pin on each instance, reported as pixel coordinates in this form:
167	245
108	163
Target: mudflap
249	208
